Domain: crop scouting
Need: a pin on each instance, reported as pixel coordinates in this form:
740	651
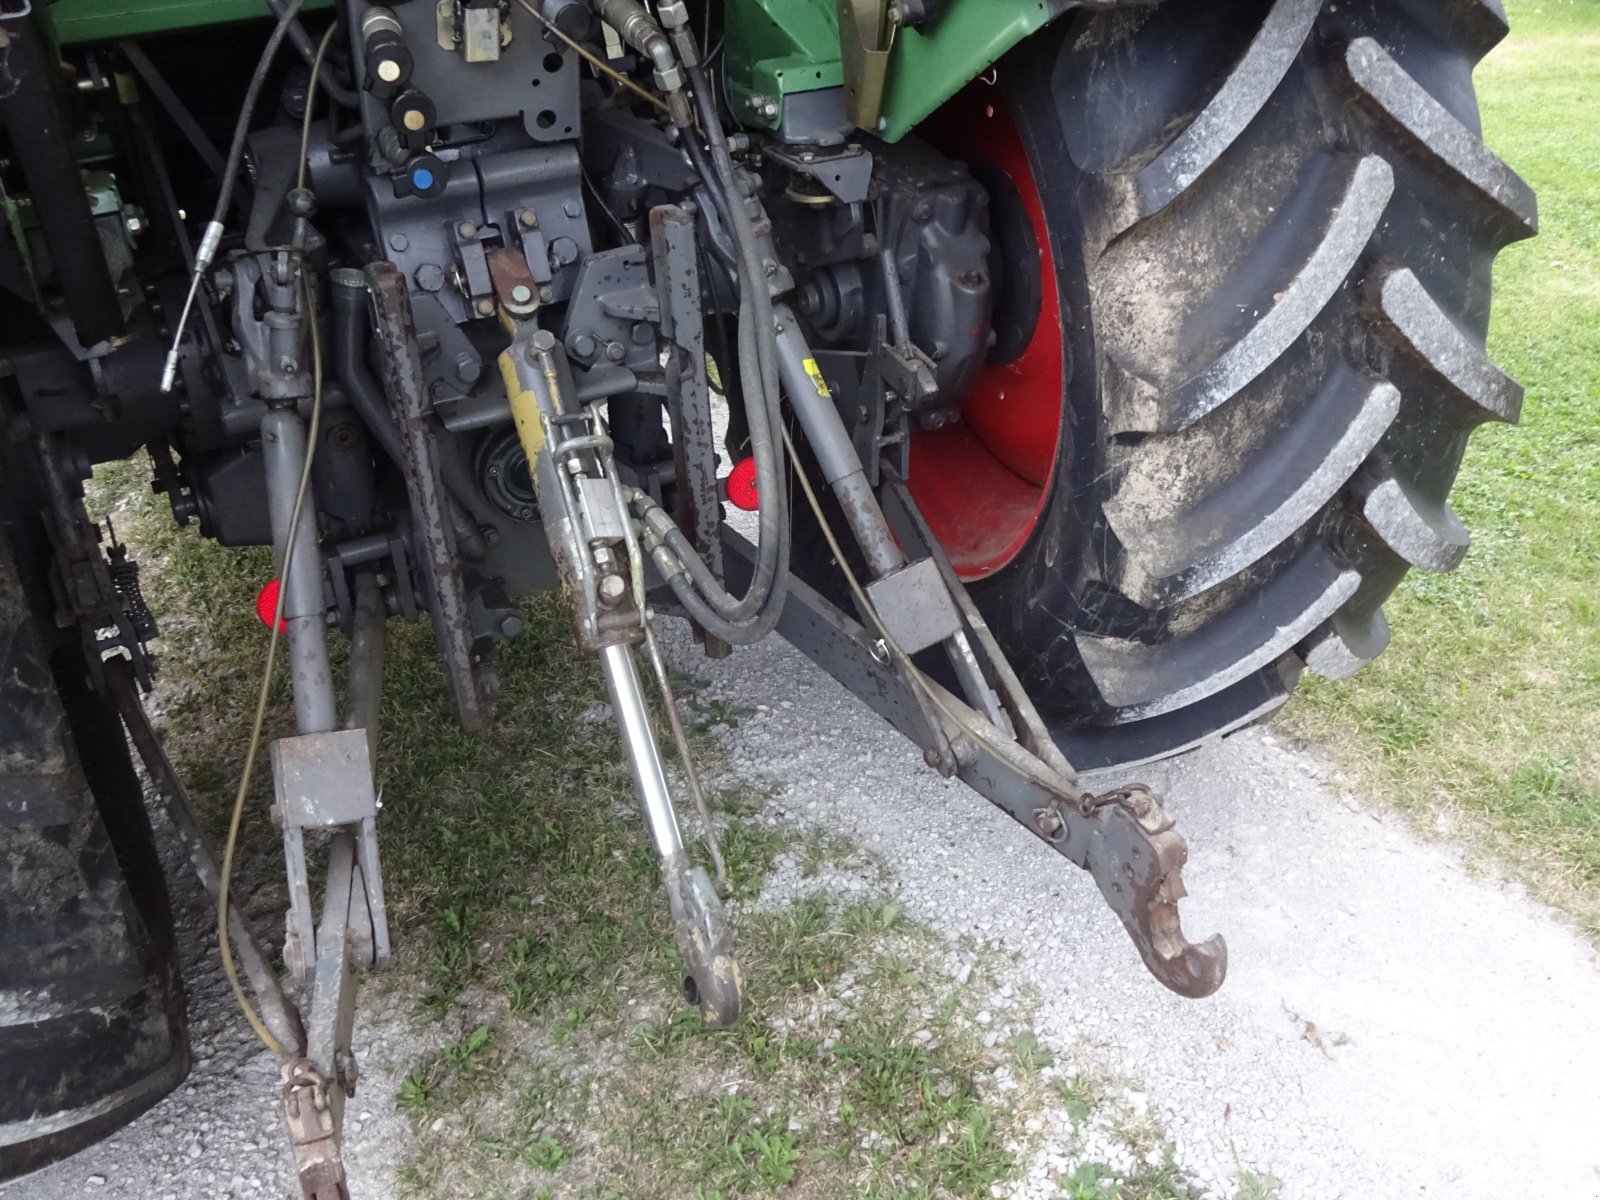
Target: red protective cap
267	605
742	485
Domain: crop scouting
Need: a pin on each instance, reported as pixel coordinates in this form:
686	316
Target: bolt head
612	588
429	277
528	219
485	308
467	229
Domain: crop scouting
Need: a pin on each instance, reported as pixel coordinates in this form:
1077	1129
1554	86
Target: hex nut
581	345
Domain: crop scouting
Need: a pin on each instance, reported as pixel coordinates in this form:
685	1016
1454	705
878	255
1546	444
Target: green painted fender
777	48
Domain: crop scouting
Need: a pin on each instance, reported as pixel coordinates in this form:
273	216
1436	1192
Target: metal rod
447	597
364	700
681	740
277	1010
649	778
898	323
830	442
174	106
283	445
363	705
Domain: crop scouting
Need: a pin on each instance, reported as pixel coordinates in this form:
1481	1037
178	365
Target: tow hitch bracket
1124	839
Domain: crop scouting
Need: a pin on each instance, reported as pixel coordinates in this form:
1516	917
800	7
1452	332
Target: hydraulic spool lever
592	537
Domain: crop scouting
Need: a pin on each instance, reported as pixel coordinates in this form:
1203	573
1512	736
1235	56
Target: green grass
1484	715
551	1051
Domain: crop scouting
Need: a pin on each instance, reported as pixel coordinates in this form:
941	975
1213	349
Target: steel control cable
302	487
211	239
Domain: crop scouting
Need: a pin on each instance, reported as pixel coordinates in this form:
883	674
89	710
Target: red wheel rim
982	482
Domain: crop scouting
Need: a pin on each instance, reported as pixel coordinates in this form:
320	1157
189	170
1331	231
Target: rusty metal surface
697	507
364	695
403	382
305	1096
515	288
1126	841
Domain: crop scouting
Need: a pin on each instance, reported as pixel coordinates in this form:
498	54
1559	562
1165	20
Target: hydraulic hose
758	372
750	618
349	291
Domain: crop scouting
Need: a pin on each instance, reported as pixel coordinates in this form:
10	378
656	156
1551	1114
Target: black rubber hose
763	602
350	364
42	146
307	49
241	128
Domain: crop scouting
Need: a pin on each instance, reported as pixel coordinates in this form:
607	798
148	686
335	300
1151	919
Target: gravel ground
1392	1025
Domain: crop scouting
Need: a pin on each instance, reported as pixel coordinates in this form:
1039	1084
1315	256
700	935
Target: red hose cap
267	605
742	485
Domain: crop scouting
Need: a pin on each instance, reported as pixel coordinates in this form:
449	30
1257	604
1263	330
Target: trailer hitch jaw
1124	839
1129	845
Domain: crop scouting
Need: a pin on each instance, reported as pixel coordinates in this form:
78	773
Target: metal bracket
1130	849
307	1100
866	35
696	506
915	606
844	172
441	569
322	781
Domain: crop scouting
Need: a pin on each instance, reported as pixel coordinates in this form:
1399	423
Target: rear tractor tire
1265	232
92	1022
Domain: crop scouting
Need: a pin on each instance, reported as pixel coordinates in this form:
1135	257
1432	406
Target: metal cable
212	237
265	690
309	302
